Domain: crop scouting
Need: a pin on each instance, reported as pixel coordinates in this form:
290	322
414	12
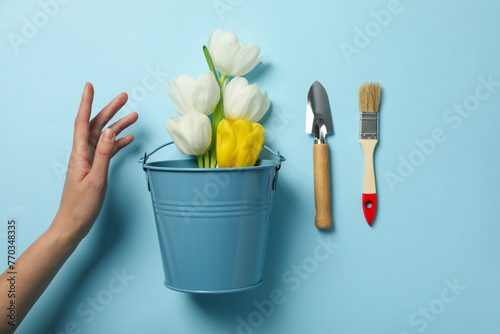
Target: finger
102	118
124	123
103	154
81	134
121	143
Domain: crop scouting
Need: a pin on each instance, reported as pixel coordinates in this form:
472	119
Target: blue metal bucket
212	223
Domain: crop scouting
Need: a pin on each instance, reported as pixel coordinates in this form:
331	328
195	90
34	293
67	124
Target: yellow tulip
238	142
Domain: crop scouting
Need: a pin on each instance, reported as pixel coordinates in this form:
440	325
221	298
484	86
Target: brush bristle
369	97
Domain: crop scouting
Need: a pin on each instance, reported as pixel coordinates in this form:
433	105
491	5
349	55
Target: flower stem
207	159
222	79
200	161
218	116
219	109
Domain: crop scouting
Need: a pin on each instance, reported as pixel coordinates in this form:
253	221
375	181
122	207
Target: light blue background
438	224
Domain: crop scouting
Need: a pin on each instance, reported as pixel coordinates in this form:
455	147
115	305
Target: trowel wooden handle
322	194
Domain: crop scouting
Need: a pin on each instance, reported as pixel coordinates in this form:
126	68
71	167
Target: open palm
86	179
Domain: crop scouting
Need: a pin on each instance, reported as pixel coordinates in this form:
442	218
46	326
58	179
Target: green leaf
218	115
210	63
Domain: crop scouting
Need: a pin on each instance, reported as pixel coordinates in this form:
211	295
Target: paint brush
369	100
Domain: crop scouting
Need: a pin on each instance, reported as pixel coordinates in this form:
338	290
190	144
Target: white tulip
188	94
191	133
230	55
244	101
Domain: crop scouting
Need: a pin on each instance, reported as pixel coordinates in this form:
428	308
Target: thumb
103	154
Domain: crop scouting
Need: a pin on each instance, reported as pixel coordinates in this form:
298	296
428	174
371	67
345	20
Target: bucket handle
277	156
143	159
280	159
146	156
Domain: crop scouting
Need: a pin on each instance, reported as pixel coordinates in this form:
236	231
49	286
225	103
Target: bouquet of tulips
231	136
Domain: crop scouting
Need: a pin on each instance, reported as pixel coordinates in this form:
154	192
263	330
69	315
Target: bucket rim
272	163
150	166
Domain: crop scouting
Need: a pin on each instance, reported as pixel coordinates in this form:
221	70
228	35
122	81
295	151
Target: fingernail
107	135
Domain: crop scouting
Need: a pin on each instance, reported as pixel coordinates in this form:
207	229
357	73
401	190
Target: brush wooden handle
369	186
322	194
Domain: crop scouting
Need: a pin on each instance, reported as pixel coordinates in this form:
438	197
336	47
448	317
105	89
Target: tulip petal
247	59
201	134
239	143
263	108
230	55
244	101
223	47
181	91
241	130
206	94
177	135
191	132
188	94
226	144
249	149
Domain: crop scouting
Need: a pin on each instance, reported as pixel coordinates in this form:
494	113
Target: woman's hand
81	202
87	174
